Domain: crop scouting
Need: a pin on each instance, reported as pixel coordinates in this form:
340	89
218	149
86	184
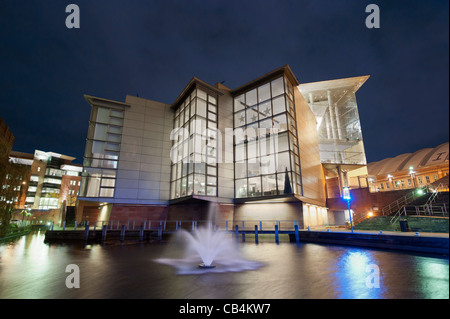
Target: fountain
209	250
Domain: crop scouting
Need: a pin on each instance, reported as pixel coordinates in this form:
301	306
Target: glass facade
102	152
266	149
194	153
338	125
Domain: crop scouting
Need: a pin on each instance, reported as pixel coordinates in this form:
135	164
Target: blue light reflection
358	276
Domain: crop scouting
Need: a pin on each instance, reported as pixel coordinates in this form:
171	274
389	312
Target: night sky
153	48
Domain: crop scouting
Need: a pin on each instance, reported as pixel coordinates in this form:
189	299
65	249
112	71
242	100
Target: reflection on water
355	275
215	250
31	269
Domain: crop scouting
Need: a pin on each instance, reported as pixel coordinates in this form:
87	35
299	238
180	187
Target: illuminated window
97	182
261	157
195	151
104	137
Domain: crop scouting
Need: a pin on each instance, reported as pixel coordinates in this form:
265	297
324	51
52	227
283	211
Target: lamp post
348	198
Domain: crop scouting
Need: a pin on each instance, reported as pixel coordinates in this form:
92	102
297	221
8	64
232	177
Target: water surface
30	268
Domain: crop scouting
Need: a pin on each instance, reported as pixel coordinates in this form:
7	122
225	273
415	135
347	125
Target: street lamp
348	198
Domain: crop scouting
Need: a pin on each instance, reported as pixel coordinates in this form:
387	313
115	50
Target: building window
194	153
435	177
104	137
419	179
48	203
387	185
263	165
409	181
427	178
97	182
102	153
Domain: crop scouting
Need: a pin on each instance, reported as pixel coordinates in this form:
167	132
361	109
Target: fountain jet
209	250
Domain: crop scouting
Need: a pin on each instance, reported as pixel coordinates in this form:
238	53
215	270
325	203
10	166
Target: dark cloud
153	48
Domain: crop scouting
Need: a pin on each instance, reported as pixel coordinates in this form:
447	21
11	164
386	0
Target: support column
311	98
332	116
343	179
327	124
340	180
338	121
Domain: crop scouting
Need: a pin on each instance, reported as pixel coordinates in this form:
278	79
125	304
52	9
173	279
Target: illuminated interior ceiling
340	87
334	105
317	93
331	170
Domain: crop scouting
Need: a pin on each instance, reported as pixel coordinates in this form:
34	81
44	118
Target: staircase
426	213
375	223
402	201
415	223
435	205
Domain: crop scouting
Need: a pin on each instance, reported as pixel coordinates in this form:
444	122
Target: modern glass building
261	151
54	180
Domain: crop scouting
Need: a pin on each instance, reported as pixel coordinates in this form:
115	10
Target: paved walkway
398	233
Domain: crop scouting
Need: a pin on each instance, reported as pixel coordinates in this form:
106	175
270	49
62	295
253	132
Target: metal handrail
359	218
417	210
433	196
397	216
399	203
183	224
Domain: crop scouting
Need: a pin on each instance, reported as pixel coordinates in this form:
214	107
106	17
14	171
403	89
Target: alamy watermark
373	19
210	146
373	279
73	19
73	280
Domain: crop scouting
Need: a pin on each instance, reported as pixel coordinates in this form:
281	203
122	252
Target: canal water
30	268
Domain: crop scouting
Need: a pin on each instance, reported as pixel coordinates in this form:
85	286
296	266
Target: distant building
54	180
411	170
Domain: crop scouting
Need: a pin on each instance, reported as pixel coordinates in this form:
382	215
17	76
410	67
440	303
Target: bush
14	229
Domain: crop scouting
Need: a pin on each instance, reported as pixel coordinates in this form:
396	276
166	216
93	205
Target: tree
24	213
287	183
72	199
12	175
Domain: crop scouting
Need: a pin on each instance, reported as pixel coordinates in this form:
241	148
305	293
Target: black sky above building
153	48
